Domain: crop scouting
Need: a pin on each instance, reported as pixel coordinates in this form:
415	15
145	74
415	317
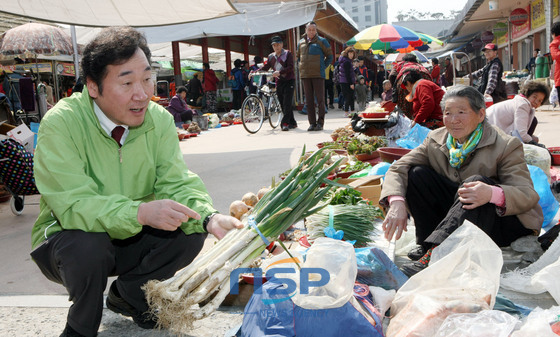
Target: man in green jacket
116	196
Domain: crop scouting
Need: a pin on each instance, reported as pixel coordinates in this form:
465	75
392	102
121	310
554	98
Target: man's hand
395	221
164	214
474	194
220	224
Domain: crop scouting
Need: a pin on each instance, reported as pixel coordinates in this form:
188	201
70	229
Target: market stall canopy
256	18
32	39
136	13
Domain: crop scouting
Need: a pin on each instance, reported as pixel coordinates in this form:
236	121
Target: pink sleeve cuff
392	198
498	197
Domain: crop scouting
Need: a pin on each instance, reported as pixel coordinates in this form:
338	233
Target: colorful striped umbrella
385	37
427	39
31	39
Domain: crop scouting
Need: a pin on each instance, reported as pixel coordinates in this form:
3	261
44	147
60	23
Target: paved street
229	160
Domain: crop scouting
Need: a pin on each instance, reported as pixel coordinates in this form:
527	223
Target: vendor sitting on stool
468	170
516	116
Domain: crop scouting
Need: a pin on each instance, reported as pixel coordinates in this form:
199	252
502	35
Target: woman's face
536	99
351	55
183	94
460	119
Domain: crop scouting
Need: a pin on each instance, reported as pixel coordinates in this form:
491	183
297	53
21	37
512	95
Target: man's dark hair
206	65
195	76
531	87
410	58
361	58
435	60
181	89
537	50
555	29
310	23
112	46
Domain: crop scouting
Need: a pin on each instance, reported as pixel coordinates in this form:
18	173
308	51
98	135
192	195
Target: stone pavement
230	161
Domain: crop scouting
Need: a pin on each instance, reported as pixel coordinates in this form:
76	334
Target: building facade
365	13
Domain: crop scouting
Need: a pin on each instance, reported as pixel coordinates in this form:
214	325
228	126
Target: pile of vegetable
194	128
356	166
365	145
356	221
342	132
175	301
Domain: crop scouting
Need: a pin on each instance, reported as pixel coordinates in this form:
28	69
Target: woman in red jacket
426	97
209	84
555	52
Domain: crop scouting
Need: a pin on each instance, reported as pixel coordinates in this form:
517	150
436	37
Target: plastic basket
202	121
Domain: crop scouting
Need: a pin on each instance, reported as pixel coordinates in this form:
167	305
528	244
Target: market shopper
468	170
400	69
178	107
194	91
516	116
210	86
116	196
449	74
555	53
237	82
435	70
313	54
426	97
347	78
491	84
281	61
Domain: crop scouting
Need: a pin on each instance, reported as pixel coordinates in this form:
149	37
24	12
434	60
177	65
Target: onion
262	192
250	199
238	208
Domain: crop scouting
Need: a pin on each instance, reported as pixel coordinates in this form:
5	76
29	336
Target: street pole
76	56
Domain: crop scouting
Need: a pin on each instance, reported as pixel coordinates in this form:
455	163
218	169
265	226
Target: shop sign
518	17
555	4
487	37
500	29
65	69
502	39
43	67
537	14
519	31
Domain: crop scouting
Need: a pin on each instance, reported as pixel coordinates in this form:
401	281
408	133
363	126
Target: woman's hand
474	194
535	138
395	221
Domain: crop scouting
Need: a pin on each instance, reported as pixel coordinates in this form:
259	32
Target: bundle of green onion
175	301
357	222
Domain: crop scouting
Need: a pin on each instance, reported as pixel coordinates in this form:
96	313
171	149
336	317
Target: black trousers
237	99
329	92
285	91
348	97
434	204
83	261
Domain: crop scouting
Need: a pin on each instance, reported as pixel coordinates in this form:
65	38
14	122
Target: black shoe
331	106
412	268
319	127
292	126
311	127
285	128
416	253
69	332
117	304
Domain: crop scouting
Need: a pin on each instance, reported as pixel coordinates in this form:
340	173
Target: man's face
277	47
127	89
311	31
360	62
490	54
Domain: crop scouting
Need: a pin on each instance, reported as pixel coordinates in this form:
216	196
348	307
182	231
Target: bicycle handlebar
266	73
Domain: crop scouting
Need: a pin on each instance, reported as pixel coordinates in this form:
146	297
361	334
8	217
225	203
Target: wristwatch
207	221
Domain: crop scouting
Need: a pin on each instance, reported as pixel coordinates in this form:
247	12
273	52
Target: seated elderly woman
178	107
426	97
468	170
517	115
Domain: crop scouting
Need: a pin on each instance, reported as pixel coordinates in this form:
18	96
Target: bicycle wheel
252	113
275	112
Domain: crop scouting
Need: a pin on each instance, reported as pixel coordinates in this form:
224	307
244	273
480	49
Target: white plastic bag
538	323
539	157
492	323
463	277
339	260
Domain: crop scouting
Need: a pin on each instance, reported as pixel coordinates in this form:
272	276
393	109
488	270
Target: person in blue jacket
238	83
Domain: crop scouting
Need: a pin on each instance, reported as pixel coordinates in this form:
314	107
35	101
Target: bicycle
262	105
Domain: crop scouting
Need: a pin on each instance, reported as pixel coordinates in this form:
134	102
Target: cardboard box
24	136
370	186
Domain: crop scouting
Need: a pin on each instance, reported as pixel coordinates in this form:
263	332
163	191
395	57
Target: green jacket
88	183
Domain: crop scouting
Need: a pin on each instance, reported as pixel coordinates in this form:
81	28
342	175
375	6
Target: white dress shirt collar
107	124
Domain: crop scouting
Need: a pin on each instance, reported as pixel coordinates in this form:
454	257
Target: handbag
16	168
